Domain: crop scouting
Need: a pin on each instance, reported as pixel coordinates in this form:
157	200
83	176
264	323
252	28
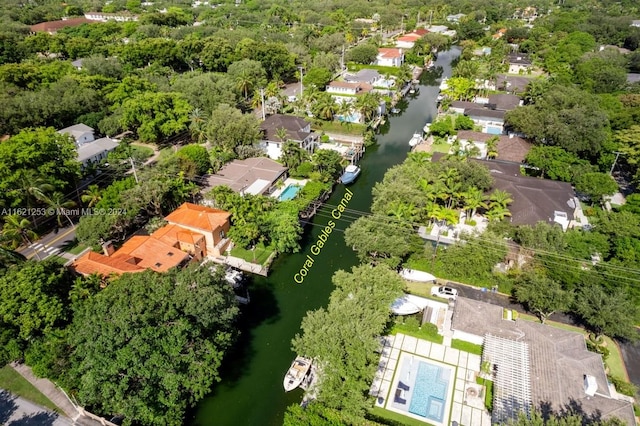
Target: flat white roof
257	187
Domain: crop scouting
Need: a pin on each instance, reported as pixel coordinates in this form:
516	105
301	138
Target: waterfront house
297	130
519	63
255	176
504	102
508	147
348	88
90	150
365	75
193	232
491	121
537	366
407	41
389	57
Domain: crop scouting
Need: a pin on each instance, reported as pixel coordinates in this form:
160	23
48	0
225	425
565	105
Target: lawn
419	289
488	394
466	346
411	327
13	382
339	127
259	255
442	147
58	259
395	419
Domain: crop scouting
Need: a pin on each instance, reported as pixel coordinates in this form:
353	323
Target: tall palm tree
492	147
404	73
198	125
473	200
60	206
8	256
17	231
244	83
326	107
281	133
500	198
91	195
367	104
497	213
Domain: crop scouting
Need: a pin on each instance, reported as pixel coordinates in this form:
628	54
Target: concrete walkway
48	389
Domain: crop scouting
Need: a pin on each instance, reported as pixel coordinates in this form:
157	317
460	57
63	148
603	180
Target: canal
251	391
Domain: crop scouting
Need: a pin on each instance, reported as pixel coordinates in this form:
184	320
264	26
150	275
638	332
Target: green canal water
251	391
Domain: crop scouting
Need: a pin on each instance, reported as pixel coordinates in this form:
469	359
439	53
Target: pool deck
287	183
464	403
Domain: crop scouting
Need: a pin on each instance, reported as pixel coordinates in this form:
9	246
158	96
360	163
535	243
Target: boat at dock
296	373
350	174
414	275
416	139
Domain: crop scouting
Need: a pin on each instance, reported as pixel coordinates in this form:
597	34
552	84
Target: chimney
107	248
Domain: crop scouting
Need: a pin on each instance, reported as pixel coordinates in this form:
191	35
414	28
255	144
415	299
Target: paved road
51	244
630	352
15	411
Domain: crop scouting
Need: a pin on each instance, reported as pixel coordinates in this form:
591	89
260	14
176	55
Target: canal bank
251	391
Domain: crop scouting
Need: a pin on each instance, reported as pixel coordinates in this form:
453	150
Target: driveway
15	411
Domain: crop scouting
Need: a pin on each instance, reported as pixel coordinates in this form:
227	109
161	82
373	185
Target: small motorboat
296	373
419	276
416	139
412	91
395	110
350	174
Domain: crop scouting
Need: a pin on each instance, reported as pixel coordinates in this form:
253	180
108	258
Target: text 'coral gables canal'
323	237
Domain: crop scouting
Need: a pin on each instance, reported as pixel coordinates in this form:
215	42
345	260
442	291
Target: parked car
445	292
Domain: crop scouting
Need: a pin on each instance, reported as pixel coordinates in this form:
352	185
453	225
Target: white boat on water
420	276
416	139
296	373
350	174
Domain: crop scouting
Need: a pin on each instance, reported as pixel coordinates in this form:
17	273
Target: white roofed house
297	130
90	150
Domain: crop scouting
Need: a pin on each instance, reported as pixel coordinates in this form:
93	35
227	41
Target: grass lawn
442	147
466	346
260	254
395	418
411	328
141	152
419	289
420	263
57	259
17	385
338	127
488	394
74	247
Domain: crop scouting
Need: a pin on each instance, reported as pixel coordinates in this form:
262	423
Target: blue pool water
430	391
289	193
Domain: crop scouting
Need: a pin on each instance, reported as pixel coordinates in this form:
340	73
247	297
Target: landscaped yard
442	147
396	419
339	127
466	346
259	255
411	327
13	382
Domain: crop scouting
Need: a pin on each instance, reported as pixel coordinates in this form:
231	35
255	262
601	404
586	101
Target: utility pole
418	20
301	75
430	16
342	60
133	166
262	98
614	162
402	25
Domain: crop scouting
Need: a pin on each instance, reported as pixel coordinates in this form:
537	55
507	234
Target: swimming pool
430	391
289	193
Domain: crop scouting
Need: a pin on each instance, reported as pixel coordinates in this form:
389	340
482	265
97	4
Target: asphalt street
51	244
15	411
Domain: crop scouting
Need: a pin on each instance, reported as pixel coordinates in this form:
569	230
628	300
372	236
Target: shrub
623	387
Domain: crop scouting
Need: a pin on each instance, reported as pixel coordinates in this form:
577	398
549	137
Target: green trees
228	128
460	89
318	77
150	345
607	311
343	338
363	54
541	295
247	75
555	163
596	185
198	155
155	116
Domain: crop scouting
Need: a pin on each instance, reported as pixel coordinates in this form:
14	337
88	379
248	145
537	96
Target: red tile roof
96	263
387	52
53	26
171	234
410	37
421	31
153	253
198	217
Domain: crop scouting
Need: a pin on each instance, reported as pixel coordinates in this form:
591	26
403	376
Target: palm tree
474	199
282	134
492	147
497	213
198	125
244	83
8	256
367	104
256	100
91	195
57	203
500	198
325	108
404	73
17	231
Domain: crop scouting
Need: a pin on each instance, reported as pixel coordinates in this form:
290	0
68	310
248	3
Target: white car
445	292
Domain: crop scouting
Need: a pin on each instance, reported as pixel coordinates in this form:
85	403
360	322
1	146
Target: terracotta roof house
407	41
193	232
297	129
537	366
53	27
389	57
534	199
256	176
509	147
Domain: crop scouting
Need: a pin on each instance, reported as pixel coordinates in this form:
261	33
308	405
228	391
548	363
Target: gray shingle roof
240	174
293	125
91	149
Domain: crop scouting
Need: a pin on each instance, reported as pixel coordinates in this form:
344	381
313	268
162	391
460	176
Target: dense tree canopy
150	345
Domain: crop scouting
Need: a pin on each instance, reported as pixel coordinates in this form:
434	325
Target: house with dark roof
192	233
491	121
534	199
511	83
519	63
297	130
365	75
255	176
537	366
508	147
504	102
